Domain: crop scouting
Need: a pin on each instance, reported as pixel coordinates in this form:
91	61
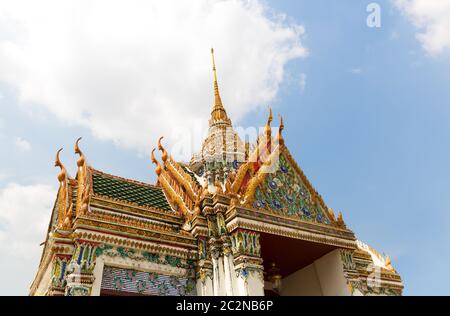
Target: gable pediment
283	189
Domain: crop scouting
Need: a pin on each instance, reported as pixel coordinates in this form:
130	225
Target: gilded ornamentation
84	182
64	201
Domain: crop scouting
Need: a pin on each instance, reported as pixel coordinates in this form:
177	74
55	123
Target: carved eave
238	217
122	229
120	207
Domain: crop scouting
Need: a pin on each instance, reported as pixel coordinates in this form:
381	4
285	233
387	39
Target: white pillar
98	276
250	281
229	269
216	275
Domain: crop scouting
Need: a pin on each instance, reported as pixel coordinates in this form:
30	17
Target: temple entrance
298	267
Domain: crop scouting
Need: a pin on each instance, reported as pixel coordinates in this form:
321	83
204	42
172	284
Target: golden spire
218	114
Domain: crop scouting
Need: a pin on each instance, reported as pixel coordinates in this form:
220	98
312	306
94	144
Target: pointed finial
218	113
158	166
57	160
270	118
388	263
82	159
280	130
62	176
340	220
161	148
269	121
214	65
330	211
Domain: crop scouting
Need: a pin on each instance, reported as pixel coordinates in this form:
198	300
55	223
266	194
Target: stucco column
205	279
247	263
80	277
216	274
228	267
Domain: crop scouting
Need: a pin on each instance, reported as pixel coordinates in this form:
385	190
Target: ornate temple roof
127	190
225	189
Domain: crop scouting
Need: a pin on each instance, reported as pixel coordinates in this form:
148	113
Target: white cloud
132	70
22	144
432	18
24	215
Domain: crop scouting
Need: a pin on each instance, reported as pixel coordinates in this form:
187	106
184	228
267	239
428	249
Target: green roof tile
129	191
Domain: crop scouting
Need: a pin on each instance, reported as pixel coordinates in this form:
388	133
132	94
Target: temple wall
330	271
303	282
325	276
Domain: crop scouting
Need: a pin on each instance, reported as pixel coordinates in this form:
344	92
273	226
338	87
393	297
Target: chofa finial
162	149
62	176
82	159
57	160
158	166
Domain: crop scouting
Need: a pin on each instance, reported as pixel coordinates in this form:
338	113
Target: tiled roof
129	191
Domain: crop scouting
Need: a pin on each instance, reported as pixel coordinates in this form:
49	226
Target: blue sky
366	112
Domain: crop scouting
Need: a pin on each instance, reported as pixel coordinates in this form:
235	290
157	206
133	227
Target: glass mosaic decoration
284	193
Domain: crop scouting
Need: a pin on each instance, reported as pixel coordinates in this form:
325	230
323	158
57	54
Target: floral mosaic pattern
122	252
284	193
147	283
246	242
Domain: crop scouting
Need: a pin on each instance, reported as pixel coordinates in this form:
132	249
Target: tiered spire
218	114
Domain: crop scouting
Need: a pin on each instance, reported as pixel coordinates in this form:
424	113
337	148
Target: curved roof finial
82	159
162	149
158	166
63	174
57	160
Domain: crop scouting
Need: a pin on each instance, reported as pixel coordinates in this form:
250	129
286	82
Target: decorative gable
283	192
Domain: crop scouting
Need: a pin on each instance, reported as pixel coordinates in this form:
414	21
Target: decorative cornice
290	232
134	233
